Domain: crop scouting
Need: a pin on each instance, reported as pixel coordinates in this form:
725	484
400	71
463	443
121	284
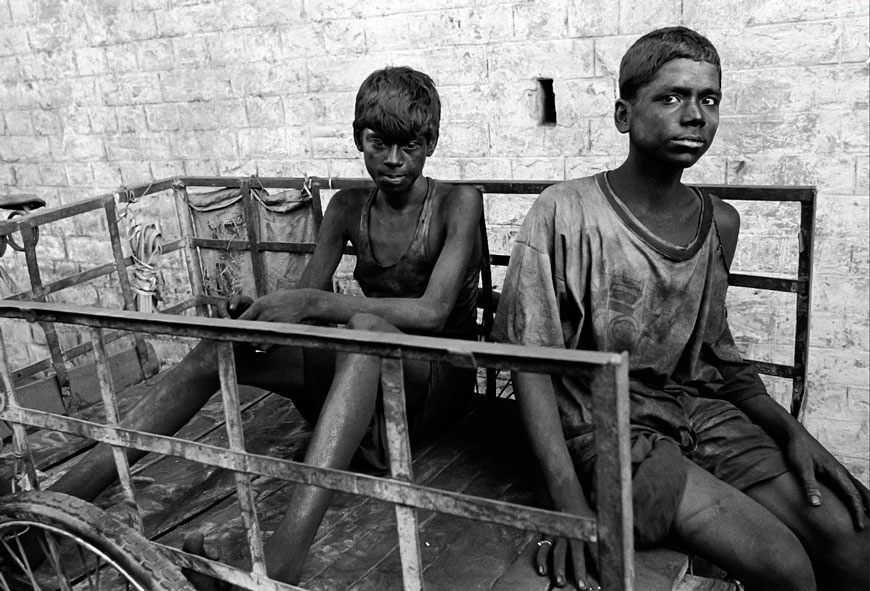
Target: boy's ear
430	146
357	140
622	115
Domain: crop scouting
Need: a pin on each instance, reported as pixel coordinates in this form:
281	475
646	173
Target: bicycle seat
21	202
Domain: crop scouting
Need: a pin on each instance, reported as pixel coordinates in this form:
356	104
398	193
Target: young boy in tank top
418	259
633	260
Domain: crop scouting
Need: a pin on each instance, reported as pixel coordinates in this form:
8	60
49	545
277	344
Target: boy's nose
693	114
394	155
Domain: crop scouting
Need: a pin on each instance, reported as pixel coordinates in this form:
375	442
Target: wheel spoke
49	548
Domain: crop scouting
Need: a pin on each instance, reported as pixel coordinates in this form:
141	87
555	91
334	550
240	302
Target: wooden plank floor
356	546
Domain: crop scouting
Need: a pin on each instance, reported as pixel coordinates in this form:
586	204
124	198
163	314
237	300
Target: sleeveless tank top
409	276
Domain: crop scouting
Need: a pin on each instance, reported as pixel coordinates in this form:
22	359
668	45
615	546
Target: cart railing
612	530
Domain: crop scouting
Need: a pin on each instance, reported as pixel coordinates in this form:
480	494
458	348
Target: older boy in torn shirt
634	260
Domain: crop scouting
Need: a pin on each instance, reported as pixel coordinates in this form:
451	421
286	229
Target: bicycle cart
436	525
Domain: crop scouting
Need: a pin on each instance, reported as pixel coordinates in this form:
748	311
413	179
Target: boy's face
673	118
393	165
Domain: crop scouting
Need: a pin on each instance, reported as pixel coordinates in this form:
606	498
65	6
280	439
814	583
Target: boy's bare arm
540	415
429	312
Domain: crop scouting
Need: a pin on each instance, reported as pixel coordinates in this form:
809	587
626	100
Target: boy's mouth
690	142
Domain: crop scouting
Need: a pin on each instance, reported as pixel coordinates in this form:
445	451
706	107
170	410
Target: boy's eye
412	145
710	101
671	99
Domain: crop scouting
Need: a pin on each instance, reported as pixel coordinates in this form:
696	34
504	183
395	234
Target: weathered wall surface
96	94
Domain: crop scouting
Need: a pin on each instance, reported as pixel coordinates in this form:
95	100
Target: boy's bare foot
195	544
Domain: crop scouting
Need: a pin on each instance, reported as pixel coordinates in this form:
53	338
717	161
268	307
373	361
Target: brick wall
98	94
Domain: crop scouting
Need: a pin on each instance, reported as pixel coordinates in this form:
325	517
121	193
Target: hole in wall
546	102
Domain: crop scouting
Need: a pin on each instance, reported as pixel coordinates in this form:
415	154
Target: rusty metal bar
113	417
398	442
191	257
458	353
9	401
613	476
149	366
218	570
29	237
130	195
236	435
802	307
53	214
252	223
391	491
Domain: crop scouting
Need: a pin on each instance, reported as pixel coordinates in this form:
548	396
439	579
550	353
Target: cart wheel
54	541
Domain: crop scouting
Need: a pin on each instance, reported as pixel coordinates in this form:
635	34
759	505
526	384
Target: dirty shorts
718	437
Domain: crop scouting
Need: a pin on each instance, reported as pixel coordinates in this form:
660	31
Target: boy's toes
195	544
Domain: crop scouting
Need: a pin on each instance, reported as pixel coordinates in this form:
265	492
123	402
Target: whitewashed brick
108	175
706	14
80	174
19	123
163	117
543	19
131	118
27	174
265	111
13	42
46	123
639	16
200	167
91	60
155	54
562	59
196	85
774	45
133	146
180	20
166	169
103	119
135	173
591	18
538	168
126	89
17	148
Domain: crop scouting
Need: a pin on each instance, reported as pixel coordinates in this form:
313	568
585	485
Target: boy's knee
367	322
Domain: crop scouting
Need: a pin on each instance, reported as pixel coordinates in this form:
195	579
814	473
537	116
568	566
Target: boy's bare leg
182	391
840	552
179	395
735	532
346	415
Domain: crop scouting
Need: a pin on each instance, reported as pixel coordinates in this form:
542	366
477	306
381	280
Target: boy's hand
285	305
555	552
235	306
810	459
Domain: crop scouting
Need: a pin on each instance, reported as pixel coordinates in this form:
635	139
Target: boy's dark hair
400	103
649	53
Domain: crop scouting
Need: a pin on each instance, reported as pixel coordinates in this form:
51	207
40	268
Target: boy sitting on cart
633	260
418	255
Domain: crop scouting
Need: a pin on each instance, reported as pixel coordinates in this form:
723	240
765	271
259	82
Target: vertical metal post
113	418
233	415
191	257
613	476
29	237
149	365
392	383
20	443
252	222
802	306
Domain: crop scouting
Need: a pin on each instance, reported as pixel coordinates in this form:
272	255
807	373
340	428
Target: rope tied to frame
146	244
